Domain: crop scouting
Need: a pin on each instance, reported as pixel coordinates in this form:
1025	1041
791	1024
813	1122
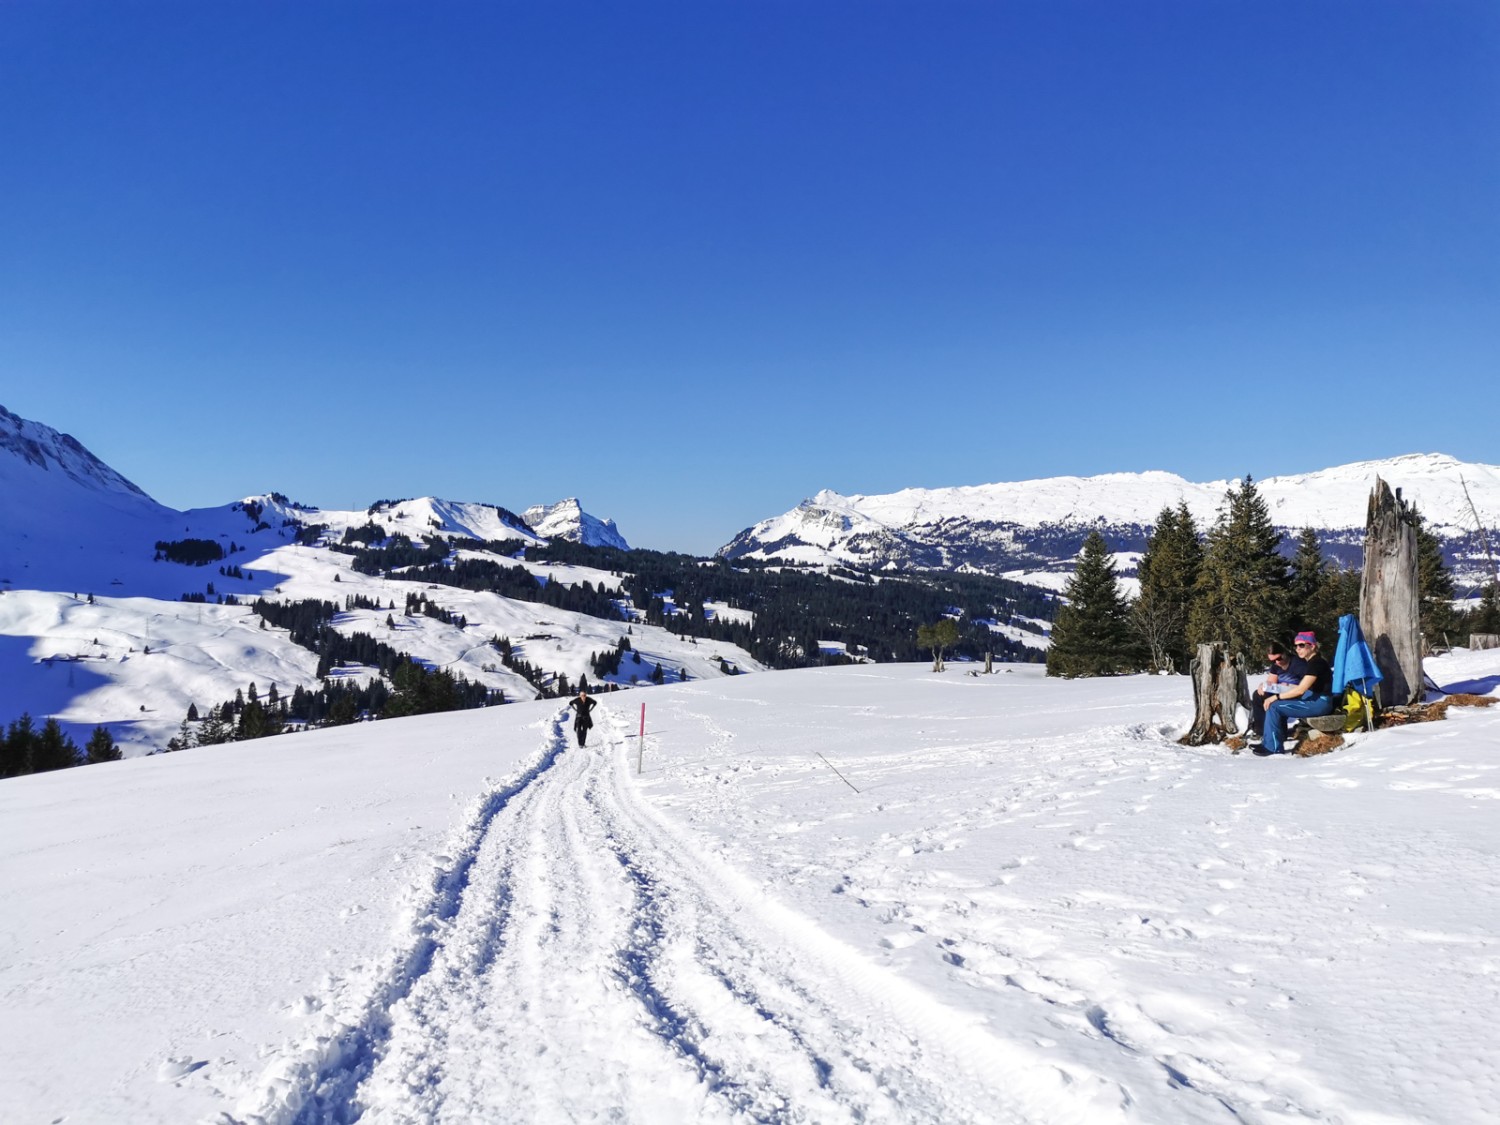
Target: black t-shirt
1320	668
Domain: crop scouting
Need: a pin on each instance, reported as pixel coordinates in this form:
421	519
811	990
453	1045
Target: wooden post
1389	601
640	750
989	663
1219	687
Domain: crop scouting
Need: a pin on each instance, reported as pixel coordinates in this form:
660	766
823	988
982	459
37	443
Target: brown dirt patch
1318	743
1462	699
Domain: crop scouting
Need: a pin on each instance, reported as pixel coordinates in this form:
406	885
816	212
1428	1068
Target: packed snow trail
596	969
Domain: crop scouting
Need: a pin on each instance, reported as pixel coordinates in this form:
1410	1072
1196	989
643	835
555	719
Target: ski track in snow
700	1000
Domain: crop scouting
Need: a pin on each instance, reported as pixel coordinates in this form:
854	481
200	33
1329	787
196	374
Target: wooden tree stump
1219	687
1389	600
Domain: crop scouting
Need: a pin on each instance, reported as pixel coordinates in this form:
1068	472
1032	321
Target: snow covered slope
1037	525
64	514
94	628
1021	902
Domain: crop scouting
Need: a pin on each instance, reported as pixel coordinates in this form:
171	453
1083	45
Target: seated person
1312	695
1284	670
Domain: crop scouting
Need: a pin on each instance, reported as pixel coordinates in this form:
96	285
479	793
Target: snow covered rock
567	520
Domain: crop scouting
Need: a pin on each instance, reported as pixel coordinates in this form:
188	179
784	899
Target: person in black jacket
581	721
1312	695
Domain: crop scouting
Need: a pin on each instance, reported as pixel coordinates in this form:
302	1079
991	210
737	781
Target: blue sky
692	262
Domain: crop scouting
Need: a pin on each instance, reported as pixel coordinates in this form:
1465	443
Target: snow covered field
1021	902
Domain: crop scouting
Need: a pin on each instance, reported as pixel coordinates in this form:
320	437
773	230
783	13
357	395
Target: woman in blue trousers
1312	696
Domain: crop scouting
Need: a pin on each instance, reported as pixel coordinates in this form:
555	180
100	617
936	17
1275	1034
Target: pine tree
217	729
1093	634
54	750
938	637
257	722
1439	620
1168	571
101	747
1242	587
182	739
1307	589
20	741
1486	618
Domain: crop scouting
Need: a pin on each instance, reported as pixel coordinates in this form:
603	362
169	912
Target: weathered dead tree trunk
1389	601
1219	687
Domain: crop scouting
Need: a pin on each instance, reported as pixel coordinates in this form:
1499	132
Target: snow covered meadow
858	894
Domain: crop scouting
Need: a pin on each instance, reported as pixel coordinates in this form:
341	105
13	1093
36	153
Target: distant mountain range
1032	529
105	619
69	521
111	610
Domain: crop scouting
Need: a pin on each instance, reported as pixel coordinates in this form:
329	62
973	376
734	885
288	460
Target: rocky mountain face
567	520
1036	527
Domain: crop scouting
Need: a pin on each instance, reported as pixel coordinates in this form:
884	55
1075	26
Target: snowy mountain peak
567	520
43	449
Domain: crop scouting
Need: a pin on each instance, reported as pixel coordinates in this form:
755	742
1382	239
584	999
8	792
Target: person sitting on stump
1308	697
1283	671
581	722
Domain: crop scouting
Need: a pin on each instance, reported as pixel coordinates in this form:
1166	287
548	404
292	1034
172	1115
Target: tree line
795	608
25	749
1235	583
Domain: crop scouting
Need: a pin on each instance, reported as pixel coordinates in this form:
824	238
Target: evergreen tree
1093	634
182	739
217	729
101	747
54	750
1168	572
1337	595
192	713
257	722
1242	588
342	711
1486	618
938	637
1439	620
20	742
1315	594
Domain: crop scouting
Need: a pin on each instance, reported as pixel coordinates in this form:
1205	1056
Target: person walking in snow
581	721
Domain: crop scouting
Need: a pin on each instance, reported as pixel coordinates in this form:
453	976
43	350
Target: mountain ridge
1008	526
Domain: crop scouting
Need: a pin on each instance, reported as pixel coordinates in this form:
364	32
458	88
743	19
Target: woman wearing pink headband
1310	696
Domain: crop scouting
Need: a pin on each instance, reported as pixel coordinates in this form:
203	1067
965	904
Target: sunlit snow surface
857	894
